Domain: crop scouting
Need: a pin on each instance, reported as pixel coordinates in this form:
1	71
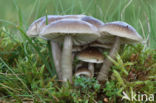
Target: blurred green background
139	13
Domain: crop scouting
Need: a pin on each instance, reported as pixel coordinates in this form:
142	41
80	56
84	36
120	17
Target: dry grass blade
125	7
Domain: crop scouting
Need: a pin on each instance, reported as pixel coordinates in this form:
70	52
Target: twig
143	31
149	29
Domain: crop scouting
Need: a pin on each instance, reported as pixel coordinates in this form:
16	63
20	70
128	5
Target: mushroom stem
91	68
56	52
103	74
66	63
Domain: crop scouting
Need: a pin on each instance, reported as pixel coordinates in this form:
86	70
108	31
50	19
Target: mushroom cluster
85	36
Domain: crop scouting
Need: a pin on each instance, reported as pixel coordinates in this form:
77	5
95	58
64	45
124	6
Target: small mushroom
119	33
82	71
69	32
91	55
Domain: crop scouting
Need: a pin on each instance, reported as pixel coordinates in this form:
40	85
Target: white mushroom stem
56	52
103	74
91	68
66	62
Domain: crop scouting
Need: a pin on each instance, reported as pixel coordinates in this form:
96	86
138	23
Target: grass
138	13
27	71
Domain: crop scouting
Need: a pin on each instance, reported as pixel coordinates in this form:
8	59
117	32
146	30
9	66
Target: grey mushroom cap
35	28
81	31
54	18
100	45
118	28
93	21
91	55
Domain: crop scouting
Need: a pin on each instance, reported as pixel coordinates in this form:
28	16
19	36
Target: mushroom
70	32
91	55
37	26
56	51
119	33
82	71
34	31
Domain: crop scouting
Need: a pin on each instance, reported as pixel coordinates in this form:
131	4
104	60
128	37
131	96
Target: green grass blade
32	10
37	50
10	69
